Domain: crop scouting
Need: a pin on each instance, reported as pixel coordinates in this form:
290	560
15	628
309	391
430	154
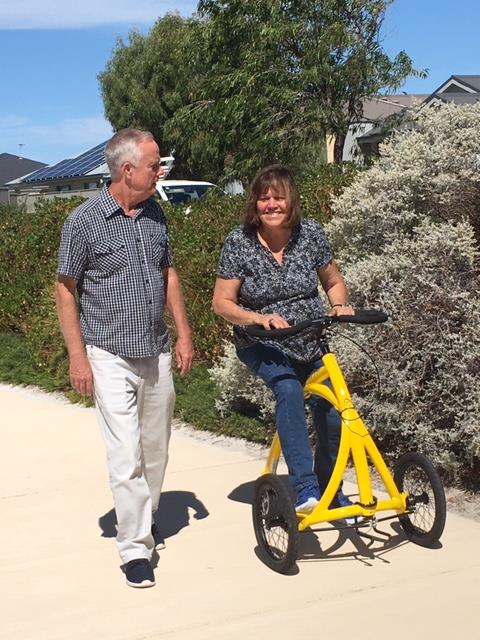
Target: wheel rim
273	525
421	499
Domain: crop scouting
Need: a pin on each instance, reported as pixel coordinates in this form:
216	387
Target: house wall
351	150
29	199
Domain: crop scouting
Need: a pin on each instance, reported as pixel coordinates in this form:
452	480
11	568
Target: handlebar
362	316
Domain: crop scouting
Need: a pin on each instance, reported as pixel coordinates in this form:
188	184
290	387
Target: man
115	277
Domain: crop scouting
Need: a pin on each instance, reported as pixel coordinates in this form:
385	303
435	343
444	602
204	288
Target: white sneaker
307	499
158	538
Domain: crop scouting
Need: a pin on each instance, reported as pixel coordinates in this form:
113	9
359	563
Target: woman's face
273	208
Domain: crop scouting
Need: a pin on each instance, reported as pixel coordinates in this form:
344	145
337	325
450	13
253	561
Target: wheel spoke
417	485
424	520
276	537
275	523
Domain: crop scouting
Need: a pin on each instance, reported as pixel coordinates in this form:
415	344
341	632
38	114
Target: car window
184	193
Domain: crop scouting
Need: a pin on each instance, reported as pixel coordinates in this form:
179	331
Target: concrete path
60	577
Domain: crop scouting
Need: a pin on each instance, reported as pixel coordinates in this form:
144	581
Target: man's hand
184	354
81	376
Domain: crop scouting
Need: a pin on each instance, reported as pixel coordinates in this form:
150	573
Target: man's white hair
123	147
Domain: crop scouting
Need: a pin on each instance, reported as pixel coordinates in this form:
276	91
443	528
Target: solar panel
71	167
42	174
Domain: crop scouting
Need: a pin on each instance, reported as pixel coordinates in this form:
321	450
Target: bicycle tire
275	523
415	474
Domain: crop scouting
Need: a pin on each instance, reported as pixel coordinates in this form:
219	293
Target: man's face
146	171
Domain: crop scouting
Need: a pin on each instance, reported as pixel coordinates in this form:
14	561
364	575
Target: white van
183	191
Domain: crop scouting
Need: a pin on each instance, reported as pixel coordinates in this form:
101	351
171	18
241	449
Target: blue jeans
286	377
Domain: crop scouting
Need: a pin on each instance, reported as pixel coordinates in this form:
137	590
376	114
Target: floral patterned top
289	289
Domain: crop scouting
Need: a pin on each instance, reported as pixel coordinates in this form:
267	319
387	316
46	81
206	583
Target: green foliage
251	82
281	75
197	239
17	363
319	189
28	321
28	249
148	79
196	401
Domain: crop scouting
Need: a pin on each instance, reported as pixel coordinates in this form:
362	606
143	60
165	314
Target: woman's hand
271	321
341	310
334	286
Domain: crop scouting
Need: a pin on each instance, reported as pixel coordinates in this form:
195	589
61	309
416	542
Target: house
86	172
82	176
11	167
376	111
457	89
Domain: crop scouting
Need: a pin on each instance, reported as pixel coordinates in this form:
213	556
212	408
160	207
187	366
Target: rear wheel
425	519
275	523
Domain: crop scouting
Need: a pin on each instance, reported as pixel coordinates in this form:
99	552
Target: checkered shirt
117	261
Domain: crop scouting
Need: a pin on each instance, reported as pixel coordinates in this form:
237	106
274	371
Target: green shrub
318	190
17	363
28	249
197	238
196	404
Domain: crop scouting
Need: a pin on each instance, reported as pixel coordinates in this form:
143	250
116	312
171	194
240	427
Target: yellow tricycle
414	492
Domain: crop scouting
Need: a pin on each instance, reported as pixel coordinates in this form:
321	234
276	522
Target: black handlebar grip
365	316
259	332
362	316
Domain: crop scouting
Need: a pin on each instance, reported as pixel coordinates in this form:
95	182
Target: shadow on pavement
246	491
350	543
172	516
243	493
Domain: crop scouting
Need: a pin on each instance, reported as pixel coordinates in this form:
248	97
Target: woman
268	275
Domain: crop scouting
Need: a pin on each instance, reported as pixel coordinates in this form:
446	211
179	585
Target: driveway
60	575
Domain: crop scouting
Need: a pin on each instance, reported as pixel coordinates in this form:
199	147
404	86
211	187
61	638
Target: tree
249	82
147	80
280	75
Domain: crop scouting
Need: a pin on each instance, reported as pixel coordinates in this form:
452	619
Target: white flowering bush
428	354
430	172
240	389
406	234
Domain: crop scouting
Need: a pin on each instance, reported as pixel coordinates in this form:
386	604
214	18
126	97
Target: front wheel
424	520
275	523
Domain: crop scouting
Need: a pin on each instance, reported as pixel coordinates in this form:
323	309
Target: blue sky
52	52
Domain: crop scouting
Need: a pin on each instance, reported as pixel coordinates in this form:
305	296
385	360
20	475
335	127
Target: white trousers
134	401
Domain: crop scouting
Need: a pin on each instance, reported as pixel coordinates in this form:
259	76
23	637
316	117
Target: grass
196	396
196	393
17	365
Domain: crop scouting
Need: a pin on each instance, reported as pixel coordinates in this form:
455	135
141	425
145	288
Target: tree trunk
338	148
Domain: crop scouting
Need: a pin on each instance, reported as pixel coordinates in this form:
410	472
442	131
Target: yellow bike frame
355	440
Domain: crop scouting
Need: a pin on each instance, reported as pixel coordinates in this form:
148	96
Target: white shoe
158	538
308	506
307	499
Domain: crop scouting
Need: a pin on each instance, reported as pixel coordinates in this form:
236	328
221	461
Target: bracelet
340	305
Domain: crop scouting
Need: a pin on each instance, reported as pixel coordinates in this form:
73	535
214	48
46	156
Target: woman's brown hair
280	180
